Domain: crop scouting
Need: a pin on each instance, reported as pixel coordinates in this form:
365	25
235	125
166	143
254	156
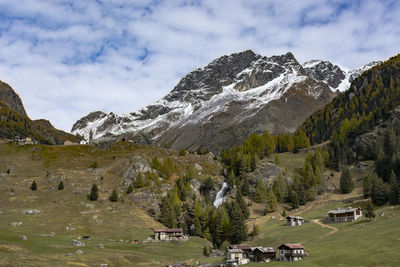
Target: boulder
79	252
16	224
77	243
23	237
30	211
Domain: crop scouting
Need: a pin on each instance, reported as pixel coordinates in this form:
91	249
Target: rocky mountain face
9	97
14	121
222	103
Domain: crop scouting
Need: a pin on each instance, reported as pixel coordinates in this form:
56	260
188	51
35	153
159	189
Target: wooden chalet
291	252
344	215
168	234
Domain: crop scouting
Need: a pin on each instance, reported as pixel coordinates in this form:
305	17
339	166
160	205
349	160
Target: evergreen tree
114	196
94	193
242	204
139	182
271	202
280	188
379	192
167	213
245	186
394	189
367	185
284	213
369	210
294	199
130	189
238	227
346	182
34	186
60	185
260	193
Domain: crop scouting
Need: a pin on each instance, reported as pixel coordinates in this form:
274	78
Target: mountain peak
9	97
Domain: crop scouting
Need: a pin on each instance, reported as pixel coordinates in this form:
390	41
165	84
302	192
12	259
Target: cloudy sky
67	58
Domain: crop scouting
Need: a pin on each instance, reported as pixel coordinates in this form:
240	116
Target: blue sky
67	58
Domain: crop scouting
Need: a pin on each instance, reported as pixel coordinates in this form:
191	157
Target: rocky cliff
222	103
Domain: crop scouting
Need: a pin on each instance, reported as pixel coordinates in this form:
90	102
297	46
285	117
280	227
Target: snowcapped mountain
222	103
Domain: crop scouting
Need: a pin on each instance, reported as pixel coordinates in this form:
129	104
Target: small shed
294	220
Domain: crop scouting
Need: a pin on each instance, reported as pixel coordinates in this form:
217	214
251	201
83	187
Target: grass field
114	225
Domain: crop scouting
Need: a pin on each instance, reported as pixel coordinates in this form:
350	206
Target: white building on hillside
344	214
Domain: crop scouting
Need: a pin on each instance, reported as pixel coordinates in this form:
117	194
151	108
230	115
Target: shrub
114	196
94	193
34	186
61	186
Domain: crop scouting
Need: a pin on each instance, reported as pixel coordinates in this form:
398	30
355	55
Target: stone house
291	252
294	220
260	254
169	234
344	214
235	256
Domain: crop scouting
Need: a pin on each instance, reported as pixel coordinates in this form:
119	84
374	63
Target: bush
34	186
206	251
94	165
114	196
182	152
94	193
130	189
61	186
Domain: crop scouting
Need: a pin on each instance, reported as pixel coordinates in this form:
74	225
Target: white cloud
67	58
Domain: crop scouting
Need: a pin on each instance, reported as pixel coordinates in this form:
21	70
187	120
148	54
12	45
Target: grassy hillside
49	241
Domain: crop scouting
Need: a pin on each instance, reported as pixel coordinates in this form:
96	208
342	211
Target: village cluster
286	252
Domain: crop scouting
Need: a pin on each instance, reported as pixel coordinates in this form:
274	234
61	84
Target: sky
67	58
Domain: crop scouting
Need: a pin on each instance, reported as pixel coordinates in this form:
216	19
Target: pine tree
34	186
245	186
167	213
294	199
271	202
280	188
114	196
367	185
130	189
346	182
238	227
242	204
284	213
394	189
379	192
60	185
259	195
369	210
139	182
94	193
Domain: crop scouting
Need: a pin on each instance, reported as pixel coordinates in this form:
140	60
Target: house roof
342	210
169	230
292	246
263	250
235	250
295	217
240	246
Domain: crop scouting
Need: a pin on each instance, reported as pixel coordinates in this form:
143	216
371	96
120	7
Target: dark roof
263	250
169	230
343	210
291	246
295	217
240	246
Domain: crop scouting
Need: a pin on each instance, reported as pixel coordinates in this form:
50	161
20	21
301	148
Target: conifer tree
238	227
245	186
367	185
379	192
167	213
294	199
130	189
346	182
271	202
139	182
394	189
260	193
369	210
60	185
242	205
94	193
114	196
34	186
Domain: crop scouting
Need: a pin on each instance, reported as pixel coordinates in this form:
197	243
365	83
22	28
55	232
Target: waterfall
221	195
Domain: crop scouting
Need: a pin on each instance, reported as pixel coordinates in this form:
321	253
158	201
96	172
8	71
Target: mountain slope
15	122
370	99
9	97
222	103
